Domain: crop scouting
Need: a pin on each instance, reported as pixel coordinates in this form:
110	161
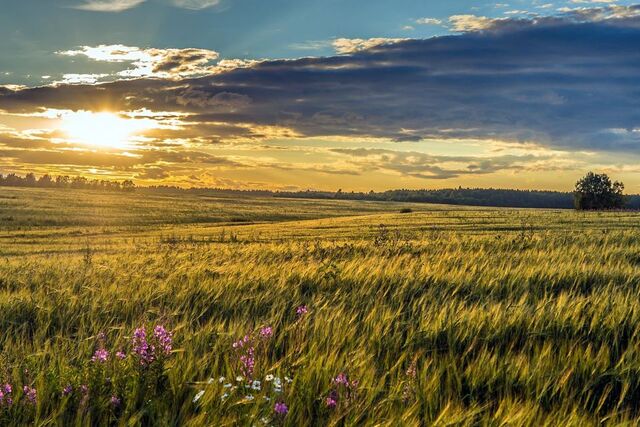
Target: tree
62	181
45	181
78	182
596	191
30	180
128	185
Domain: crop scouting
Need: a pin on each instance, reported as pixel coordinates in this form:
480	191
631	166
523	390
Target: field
363	315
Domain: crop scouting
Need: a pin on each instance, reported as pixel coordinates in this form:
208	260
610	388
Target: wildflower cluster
111	374
141	347
148	350
67	390
30	394
246	355
115	401
268	393
266	332
5	395
281	408
343	391
302	310
246	386
247	348
101	355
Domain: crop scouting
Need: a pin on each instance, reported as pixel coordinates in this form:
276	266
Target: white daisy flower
249	397
221	380
256	385
268	378
198	396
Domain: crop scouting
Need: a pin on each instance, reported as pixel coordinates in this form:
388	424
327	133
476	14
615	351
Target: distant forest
452	196
80	182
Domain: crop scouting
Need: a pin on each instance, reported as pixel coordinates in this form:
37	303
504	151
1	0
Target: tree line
594	191
450	196
64	181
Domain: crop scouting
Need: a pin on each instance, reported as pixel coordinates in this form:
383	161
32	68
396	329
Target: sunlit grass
445	316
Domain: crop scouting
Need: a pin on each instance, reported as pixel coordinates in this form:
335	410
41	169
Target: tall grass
446	317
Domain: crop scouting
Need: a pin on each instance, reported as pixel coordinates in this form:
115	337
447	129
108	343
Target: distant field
444	316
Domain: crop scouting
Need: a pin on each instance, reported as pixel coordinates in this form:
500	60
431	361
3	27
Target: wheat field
144	309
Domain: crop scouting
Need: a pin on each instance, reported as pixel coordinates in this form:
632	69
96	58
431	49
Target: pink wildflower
141	346
302	310
5	395
101	355
281	408
266	332
121	355
31	394
331	402
115	401
67	390
341	379
248	362
164	339
241	342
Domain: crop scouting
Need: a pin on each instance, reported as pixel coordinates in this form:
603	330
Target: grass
444	315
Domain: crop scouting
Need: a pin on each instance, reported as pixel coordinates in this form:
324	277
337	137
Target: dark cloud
40	151
421	165
558	82
154	172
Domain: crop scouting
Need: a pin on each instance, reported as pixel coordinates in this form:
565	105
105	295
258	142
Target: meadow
141	309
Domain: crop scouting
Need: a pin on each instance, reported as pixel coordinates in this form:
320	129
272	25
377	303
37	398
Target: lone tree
595	191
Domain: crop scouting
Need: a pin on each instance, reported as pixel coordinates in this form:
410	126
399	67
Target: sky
322	94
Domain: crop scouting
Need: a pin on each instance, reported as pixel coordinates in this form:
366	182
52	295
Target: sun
101	130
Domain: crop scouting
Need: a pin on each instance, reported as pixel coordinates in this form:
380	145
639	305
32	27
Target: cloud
108	5
464	23
422	165
605	13
609	13
347	46
163	63
203	99
564	84
73	79
39	148
428	21
591	1
311	45
196	4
